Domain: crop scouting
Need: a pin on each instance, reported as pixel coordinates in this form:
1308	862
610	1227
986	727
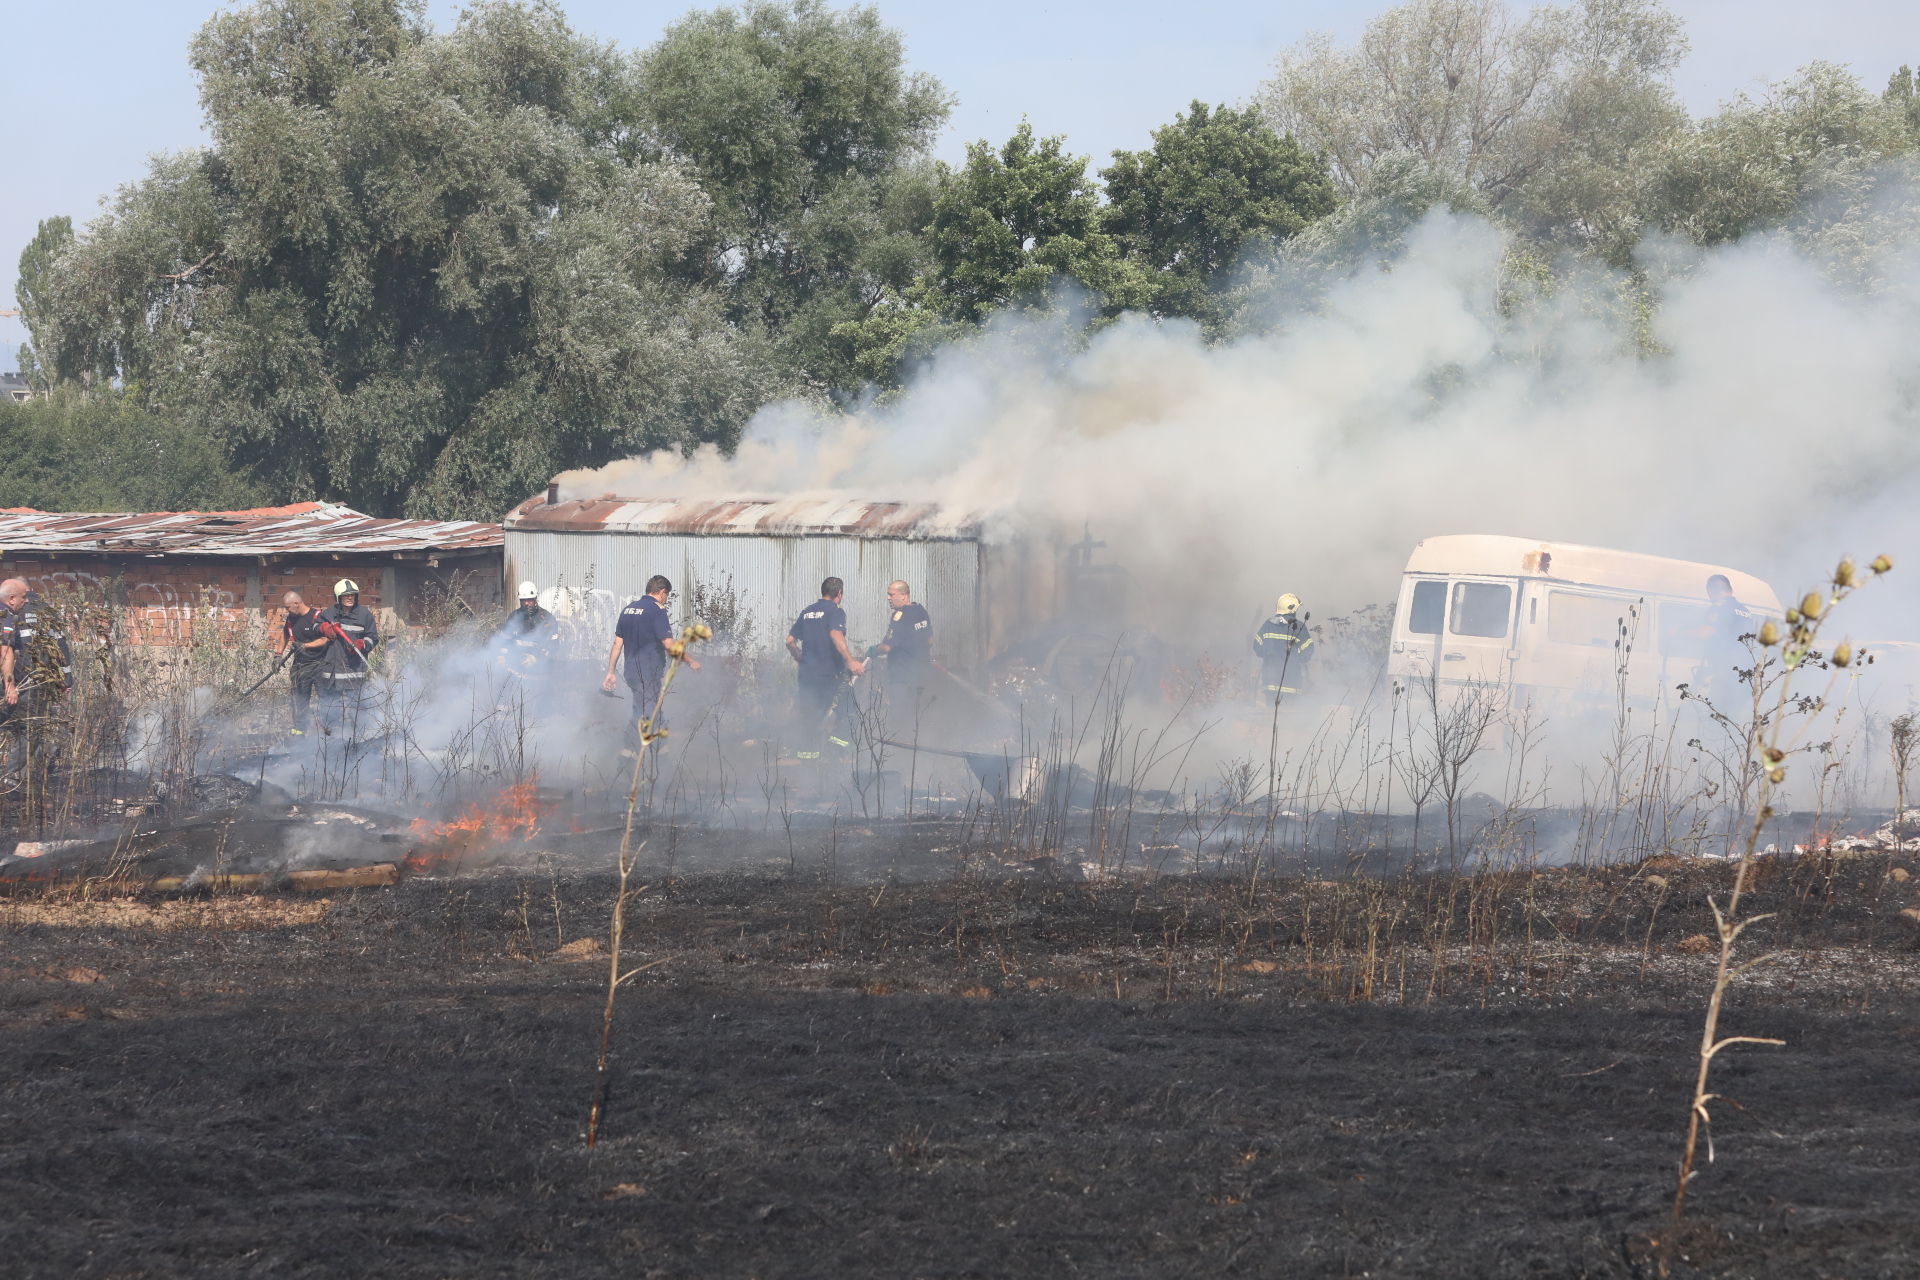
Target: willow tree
414	271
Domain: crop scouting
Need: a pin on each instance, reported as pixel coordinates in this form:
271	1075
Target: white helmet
345	587
529	592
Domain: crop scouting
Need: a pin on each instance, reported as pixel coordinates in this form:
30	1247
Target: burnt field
856	1055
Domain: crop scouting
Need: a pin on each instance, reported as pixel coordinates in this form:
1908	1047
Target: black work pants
646	695
340	702
303	680
824	706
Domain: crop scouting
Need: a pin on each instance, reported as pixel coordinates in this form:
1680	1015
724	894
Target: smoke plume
1764	421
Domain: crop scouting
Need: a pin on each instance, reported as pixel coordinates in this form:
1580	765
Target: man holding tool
818	642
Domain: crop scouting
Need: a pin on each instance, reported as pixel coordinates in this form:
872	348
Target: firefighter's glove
873	651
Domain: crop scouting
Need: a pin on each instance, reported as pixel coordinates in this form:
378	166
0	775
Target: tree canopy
1214	183
420	271
1565	124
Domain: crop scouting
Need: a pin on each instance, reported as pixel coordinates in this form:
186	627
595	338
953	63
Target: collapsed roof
748	517
302	528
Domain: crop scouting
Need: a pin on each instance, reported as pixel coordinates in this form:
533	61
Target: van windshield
1429	608
1481	608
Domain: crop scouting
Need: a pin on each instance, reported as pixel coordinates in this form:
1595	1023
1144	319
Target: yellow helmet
1288	603
345	587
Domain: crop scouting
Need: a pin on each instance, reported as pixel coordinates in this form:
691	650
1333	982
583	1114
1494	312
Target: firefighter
303	635
526	641
1724	656
642	634
352	634
1284	647
908	646
818	642
36	667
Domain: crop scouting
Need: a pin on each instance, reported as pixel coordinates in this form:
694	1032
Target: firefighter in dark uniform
526	642
303	635
642	634
908	646
818	642
36	668
1284	647
1724	657
352	634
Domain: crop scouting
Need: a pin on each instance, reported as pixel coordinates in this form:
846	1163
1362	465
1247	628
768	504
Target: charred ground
847	1064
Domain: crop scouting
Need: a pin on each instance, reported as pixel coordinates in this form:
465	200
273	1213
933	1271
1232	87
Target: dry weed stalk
629	855
1803	624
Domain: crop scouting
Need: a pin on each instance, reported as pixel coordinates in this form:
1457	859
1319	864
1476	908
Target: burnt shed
766	557
163	570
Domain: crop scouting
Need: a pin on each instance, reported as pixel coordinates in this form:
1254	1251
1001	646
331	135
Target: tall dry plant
1902	736
1804	624
629	855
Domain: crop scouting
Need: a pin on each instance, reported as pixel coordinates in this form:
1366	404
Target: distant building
169	574
15	387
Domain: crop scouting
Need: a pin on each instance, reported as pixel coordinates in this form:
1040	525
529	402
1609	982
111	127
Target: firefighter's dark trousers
303	680
824	706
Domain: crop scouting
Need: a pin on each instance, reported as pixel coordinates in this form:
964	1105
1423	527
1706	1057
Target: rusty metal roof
302	528
747	517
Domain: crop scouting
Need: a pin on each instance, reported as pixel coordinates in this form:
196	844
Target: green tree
102	452
415	272
1544	115
811	139
1014	223
1900	95
1215	184
1756	162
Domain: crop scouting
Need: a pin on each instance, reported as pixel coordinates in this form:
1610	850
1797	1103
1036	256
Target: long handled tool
280	662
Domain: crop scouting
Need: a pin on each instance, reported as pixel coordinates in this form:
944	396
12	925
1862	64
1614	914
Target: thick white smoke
1776	432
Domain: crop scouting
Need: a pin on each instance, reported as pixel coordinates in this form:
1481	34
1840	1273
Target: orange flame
511	816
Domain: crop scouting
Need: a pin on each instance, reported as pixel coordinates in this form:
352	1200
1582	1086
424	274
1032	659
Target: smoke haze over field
1776	433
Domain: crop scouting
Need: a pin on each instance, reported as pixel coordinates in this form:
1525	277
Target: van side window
1594	621
1429	608
1481	608
1683	629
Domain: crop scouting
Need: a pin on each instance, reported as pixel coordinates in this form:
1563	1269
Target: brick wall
166	602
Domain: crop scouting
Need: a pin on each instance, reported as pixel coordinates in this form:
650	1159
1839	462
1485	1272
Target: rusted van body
1558	622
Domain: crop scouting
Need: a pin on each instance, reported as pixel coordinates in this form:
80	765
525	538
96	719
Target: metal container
765	560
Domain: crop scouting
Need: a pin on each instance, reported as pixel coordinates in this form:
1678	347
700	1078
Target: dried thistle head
1843	575
1881	564
1769	633
1843	655
1810	607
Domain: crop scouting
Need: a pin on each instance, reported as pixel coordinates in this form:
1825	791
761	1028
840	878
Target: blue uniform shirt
814	628
910	645
642	626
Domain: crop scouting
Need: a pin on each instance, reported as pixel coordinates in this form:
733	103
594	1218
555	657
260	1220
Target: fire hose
333	631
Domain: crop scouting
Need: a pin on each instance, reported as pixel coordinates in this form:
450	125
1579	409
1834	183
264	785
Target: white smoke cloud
1776	432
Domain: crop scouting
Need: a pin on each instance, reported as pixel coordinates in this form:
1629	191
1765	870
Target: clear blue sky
91	89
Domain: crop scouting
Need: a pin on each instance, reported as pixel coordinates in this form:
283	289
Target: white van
1548	618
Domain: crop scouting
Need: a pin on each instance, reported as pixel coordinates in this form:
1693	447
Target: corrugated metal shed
751	517
771	555
302	528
